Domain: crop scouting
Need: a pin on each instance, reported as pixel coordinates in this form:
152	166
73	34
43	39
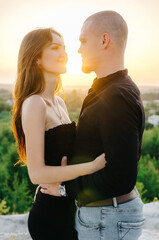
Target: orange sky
18	17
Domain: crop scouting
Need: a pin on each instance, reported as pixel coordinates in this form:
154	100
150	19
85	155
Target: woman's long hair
29	80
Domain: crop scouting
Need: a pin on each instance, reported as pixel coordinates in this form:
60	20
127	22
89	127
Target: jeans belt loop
115	202
76	203
136	190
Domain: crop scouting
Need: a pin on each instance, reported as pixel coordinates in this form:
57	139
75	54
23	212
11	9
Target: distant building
10	102
154	119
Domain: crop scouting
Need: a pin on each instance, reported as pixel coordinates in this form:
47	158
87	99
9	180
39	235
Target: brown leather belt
109	202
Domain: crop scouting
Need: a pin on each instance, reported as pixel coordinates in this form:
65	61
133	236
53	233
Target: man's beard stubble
85	69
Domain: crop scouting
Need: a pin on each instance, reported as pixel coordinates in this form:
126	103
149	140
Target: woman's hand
99	162
51	189
36	191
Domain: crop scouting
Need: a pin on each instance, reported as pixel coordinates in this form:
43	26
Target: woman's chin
63	71
58	71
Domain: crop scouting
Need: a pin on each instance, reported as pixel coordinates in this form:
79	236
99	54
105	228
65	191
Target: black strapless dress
53	217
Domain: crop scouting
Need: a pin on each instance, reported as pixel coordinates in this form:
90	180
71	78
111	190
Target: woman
44	132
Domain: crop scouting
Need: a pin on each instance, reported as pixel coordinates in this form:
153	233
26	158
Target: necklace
59	113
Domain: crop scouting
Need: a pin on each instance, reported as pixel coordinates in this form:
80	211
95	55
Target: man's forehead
86	30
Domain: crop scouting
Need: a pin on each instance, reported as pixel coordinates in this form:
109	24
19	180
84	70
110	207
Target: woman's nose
64	54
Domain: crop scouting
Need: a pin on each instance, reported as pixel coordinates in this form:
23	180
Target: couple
102	151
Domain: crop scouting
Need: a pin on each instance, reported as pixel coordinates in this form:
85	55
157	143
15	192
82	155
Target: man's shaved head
109	22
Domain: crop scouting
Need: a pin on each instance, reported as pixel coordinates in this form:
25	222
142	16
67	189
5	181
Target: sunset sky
18	17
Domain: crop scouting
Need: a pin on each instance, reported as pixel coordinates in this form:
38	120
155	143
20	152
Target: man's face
90	48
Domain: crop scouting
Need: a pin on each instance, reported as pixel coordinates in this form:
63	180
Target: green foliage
148	125
15	185
5	107
74	116
141	190
148	175
18	195
3	208
155	199
150	144
5	117
16	190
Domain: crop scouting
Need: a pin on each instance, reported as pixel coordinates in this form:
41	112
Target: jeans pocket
80	222
130	230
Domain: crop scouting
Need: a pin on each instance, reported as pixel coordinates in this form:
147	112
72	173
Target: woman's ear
38	61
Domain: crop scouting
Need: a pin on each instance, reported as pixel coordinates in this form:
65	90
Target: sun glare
142	48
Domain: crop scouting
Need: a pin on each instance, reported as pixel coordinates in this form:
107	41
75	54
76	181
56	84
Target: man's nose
79	50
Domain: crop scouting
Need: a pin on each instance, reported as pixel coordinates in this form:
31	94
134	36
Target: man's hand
53	188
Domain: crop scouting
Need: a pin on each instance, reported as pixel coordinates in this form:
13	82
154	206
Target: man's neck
108	67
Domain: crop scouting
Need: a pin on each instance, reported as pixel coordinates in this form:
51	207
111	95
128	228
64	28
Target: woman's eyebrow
59	44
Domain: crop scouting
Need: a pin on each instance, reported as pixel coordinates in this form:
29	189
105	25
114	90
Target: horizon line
83	85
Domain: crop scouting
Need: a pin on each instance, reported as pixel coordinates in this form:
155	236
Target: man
111	121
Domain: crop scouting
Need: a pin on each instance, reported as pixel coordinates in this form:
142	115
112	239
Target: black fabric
53	217
112	121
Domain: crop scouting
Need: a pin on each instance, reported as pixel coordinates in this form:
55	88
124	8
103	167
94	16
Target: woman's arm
33	122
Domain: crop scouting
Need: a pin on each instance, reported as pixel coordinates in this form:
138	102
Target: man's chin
85	69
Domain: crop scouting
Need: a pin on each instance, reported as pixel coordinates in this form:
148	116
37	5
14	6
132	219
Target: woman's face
54	57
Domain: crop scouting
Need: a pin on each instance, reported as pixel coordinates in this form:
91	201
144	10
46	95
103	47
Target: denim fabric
123	222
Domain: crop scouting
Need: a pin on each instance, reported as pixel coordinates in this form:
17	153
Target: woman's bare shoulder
33	113
34	106
34	102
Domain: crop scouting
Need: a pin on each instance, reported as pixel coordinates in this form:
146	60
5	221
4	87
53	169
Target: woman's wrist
89	168
83	169
93	166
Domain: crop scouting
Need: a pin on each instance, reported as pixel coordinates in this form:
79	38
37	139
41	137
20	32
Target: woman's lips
62	61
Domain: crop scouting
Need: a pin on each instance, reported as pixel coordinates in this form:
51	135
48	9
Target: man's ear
105	40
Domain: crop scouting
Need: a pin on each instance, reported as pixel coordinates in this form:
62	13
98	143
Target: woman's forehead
56	39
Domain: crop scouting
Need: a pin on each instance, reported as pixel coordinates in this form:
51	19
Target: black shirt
111	121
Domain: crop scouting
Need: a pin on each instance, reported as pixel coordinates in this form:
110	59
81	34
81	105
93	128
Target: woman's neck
50	86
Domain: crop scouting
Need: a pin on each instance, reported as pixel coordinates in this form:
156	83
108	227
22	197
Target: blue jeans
111	223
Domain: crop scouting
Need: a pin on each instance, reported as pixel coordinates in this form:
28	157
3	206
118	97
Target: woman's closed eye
55	48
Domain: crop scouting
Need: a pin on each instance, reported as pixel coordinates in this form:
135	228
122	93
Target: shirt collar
99	83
